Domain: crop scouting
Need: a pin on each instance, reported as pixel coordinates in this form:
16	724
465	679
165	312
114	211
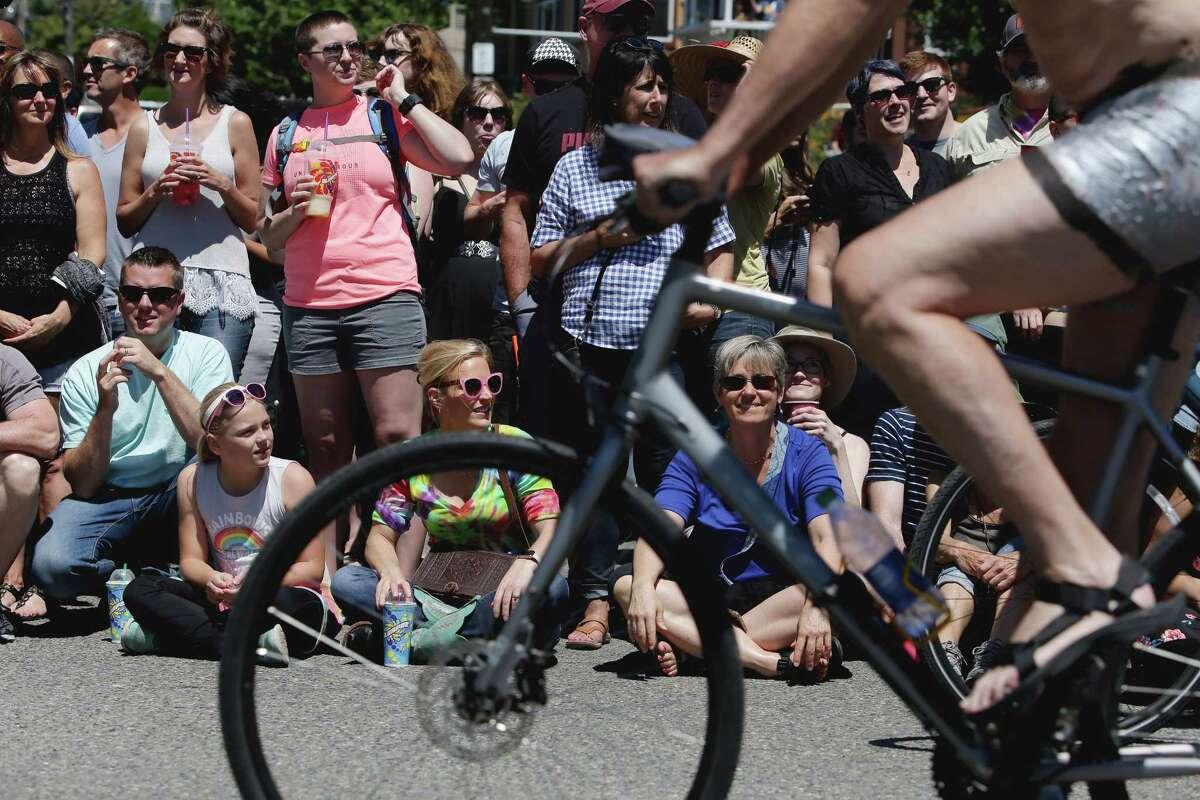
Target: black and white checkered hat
550	52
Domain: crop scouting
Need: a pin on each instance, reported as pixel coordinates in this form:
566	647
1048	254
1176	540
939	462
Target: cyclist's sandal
589	627
1129	622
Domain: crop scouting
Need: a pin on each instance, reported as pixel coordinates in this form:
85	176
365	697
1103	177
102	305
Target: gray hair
760	355
131	49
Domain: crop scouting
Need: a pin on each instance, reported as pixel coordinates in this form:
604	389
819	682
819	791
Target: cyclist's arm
822	254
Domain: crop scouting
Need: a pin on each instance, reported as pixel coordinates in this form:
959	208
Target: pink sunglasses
234	397
473	387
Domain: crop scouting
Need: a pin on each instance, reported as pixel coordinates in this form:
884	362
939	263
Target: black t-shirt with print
860	191
553	125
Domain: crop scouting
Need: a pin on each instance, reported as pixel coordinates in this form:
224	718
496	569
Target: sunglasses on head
723	73
157	294
193	53
234	397
500	115
620	21
101	63
639	44
473	387
546	86
760	381
904	91
27	91
931	85
333	50
393	55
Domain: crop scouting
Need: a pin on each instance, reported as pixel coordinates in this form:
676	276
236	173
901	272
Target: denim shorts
52	376
952	574
381	334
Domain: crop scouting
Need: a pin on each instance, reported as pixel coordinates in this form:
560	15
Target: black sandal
1129	622
794	675
31	592
7	587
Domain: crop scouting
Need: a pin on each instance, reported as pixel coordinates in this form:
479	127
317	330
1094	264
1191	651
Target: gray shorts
381	334
952	574
1129	176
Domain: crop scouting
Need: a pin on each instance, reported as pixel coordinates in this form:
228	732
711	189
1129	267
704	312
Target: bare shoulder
83	172
857	447
297	482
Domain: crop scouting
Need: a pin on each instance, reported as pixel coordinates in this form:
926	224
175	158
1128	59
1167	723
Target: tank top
238	526
202	236
37	233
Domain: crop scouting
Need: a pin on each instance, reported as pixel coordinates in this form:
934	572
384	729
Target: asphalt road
81	720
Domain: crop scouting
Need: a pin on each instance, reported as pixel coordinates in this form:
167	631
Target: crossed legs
1001	245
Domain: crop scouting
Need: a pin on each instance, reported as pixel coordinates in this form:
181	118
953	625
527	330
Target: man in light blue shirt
130	416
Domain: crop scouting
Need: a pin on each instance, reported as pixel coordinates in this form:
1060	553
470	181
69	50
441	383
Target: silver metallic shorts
1129	176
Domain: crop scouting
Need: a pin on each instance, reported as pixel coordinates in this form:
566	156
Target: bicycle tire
923	555
365	478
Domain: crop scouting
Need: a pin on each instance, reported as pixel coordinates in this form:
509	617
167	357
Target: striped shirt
577	197
902	452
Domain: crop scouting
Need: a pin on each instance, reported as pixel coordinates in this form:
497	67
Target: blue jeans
83	540
738	323
231	332
354	589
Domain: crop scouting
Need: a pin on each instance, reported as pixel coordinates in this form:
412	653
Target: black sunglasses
500	114
760	381
904	91
640	44
28	91
546	86
333	50
159	295
724	73
931	85
393	55
619	22
101	63
193	53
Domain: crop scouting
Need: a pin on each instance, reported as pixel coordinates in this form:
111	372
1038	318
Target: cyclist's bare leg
1001	244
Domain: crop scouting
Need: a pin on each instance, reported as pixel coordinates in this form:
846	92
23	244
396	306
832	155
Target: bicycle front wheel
354	729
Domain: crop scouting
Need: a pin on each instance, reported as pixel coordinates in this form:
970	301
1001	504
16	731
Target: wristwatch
409	103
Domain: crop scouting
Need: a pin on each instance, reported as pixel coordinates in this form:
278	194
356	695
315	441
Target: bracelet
530	555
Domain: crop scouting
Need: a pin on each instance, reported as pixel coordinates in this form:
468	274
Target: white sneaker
272	648
137	641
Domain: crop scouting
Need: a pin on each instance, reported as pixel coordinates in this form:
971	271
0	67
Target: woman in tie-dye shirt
456	510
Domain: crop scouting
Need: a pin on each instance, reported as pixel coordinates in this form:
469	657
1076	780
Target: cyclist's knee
859	288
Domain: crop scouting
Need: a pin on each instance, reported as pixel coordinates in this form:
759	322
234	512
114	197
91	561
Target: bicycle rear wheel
1140	712
396	711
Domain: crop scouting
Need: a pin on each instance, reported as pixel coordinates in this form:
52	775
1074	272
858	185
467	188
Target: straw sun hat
689	62
842	363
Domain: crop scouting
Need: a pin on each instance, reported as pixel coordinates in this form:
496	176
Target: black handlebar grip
677	194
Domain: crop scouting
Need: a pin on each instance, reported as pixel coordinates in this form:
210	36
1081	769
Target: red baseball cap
608	6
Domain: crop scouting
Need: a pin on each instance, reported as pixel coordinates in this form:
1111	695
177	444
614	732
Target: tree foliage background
968	31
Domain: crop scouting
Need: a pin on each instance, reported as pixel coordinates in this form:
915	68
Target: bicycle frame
649	392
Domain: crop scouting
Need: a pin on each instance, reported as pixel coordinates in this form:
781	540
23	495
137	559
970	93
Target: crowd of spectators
150	377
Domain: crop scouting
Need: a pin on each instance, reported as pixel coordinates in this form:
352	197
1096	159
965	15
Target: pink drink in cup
188	192
323	170
792	406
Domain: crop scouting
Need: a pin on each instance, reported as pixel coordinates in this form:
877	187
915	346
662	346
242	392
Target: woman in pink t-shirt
351	304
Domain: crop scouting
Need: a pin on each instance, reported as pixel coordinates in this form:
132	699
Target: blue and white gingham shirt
575	196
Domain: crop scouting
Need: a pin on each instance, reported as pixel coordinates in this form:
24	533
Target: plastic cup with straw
187	192
323	170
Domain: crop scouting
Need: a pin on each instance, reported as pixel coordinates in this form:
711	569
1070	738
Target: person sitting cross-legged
774	614
129	412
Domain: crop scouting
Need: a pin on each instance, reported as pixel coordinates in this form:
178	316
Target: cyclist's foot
1068	632
668	663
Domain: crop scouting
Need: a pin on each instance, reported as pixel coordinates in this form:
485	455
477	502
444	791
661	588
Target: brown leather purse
459	575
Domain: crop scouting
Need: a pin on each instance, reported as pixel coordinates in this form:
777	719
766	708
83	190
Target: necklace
755	462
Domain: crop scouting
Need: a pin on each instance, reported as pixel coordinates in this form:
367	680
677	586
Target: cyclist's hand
655	170
813	647
511	587
393	585
612	241
645	617
1001	574
1030	322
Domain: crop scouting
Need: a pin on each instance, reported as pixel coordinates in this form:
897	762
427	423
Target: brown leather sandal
590	644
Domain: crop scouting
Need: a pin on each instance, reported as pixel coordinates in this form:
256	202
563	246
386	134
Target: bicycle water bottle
118	615
870	551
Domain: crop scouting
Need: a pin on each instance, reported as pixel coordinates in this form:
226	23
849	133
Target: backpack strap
383	125
285	133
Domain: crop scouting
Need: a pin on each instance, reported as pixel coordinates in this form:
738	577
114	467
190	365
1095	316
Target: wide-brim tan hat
842	362
689	62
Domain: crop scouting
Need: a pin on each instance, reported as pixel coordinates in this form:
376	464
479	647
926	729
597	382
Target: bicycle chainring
460	720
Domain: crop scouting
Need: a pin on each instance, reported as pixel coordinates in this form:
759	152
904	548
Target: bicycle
486	707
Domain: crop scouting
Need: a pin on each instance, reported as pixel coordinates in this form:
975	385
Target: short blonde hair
760	354
203	451
439	360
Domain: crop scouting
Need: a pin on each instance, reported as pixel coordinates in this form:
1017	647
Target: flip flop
590	644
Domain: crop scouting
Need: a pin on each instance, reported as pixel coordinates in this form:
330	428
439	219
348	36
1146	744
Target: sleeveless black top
37	233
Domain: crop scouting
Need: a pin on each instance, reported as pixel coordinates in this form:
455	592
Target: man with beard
1019	120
